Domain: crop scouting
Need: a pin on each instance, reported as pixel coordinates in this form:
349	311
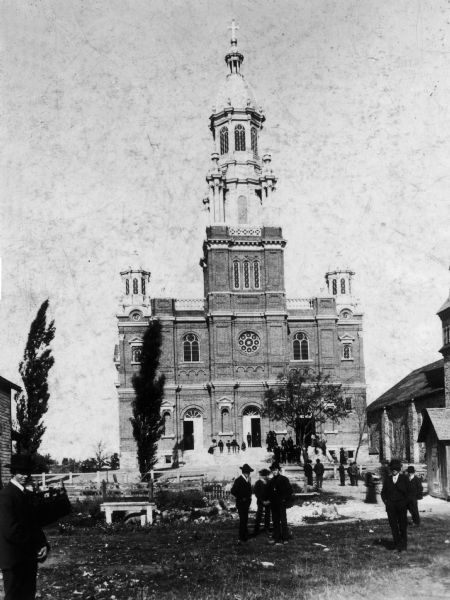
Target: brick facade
220	353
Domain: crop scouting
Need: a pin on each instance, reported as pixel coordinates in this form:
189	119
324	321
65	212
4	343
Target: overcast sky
105	121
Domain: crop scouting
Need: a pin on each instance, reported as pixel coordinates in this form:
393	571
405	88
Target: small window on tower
239	137
224	140
135	286
334	287
256	274
236	281
143	286
246	274
342	286
127	286
254	141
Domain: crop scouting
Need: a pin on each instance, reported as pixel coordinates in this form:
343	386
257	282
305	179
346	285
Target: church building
221	352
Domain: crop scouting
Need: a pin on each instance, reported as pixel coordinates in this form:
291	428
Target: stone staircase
224	466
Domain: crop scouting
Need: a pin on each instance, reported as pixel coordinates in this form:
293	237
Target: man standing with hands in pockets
22	542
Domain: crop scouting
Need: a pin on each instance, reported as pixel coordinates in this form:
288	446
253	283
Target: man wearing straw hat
242	491
22	541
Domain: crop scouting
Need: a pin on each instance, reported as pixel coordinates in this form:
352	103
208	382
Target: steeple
239	180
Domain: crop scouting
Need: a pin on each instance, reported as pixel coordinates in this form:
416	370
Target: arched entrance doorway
192	430
251	424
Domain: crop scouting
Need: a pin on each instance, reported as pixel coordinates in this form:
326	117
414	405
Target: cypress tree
148	385
32	401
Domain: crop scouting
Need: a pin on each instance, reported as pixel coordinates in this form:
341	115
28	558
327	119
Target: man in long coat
416	493
279	492
260	491
22	541
395	495
242	491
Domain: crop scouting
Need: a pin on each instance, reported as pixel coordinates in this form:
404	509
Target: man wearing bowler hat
416	493
22	541
279	492
242	491
260	491
395	495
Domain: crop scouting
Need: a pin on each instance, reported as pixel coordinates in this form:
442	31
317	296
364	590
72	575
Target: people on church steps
242	491
319	470
395	494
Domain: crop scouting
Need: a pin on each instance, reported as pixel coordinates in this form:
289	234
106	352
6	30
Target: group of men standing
400	493
273	493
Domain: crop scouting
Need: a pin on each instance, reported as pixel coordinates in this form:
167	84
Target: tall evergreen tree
147	420
32	401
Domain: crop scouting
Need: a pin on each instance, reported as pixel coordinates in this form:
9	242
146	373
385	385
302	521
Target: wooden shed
435	432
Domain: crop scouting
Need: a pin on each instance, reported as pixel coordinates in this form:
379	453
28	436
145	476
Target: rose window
249	342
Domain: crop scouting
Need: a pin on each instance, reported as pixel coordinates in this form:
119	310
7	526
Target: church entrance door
256	432
193	430
251	424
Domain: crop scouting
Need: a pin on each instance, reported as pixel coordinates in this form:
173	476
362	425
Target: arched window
242	210
225	417
136	354
256	279
135	286
300	346
342	286
127	286
168	429
239	137
334	287
246	274
191	348
254	141
193	413
347	352
143	285
236	281
224	140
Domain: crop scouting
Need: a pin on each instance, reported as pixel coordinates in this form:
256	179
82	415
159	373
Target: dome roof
235	92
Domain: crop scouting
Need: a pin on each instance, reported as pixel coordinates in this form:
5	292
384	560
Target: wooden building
6	389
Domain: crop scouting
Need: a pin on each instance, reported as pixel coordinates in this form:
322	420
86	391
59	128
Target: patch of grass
202	562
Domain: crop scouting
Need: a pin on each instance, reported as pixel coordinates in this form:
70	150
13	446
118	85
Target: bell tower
240	180
243	261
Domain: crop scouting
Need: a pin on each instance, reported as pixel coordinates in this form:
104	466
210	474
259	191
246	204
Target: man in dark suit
416	493
242	491
279	493
22	541
395	495
260	490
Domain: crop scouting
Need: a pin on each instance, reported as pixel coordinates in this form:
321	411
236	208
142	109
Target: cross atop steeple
233	28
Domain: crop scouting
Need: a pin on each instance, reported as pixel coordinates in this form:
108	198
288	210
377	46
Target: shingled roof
439	419
425	381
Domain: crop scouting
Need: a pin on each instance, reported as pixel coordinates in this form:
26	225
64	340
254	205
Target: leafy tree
147	421
304	399
32	401
101	456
